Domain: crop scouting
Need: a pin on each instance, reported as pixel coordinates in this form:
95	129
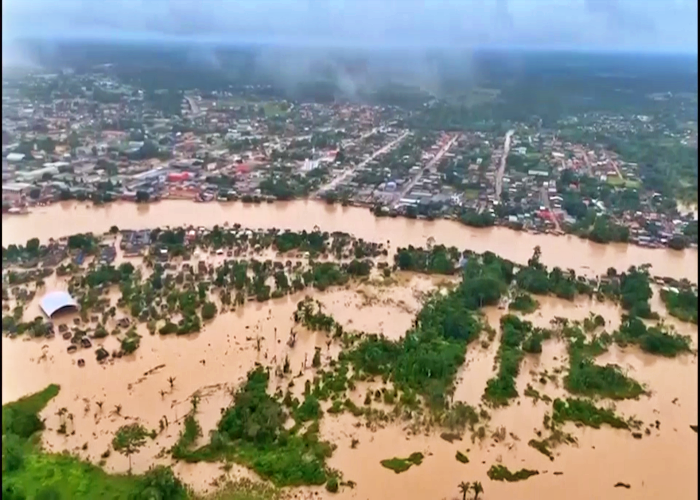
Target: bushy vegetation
635	292
436	260
536	279
683	304
541	446
425	361
252	432
583	412
501	388
523	303
21	418
657	339
585	377
399	465
501	473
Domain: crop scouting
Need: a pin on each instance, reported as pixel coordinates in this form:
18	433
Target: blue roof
54	301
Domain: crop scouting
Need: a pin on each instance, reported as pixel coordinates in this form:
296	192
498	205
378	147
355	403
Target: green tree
159	483
208	311
12	453
129	439
32	245
477	489
464	489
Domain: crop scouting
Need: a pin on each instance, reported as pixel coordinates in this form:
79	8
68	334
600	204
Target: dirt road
427	166
350	171
502	168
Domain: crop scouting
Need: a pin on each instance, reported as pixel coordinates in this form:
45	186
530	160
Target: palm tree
99	404
171	381
478	489
118	409
464	489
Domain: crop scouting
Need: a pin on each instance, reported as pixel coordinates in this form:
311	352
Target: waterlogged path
564	251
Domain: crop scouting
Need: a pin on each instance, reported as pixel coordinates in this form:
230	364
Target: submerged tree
464	489
129	439
477	489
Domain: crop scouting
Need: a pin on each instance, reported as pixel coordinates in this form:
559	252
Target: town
92	137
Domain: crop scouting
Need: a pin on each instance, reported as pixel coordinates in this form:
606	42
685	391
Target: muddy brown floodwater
215	361
68	218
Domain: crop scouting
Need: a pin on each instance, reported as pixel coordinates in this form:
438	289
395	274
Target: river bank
584	256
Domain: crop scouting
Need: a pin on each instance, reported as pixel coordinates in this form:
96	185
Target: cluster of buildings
107	141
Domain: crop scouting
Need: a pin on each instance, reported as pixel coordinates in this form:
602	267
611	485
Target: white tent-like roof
53	302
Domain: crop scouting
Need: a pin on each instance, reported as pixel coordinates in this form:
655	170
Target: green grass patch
501	473
471	194
615	180
273	109
399	465
68	477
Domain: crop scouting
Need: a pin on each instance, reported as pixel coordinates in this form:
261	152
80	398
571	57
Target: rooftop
53	302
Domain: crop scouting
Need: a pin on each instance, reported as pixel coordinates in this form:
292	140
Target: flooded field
159	379
564	251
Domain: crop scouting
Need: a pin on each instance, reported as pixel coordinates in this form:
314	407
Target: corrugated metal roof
54	301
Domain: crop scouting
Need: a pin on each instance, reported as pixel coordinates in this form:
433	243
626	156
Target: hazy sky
637	25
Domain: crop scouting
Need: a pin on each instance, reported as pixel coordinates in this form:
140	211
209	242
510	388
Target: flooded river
661	465
564	251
